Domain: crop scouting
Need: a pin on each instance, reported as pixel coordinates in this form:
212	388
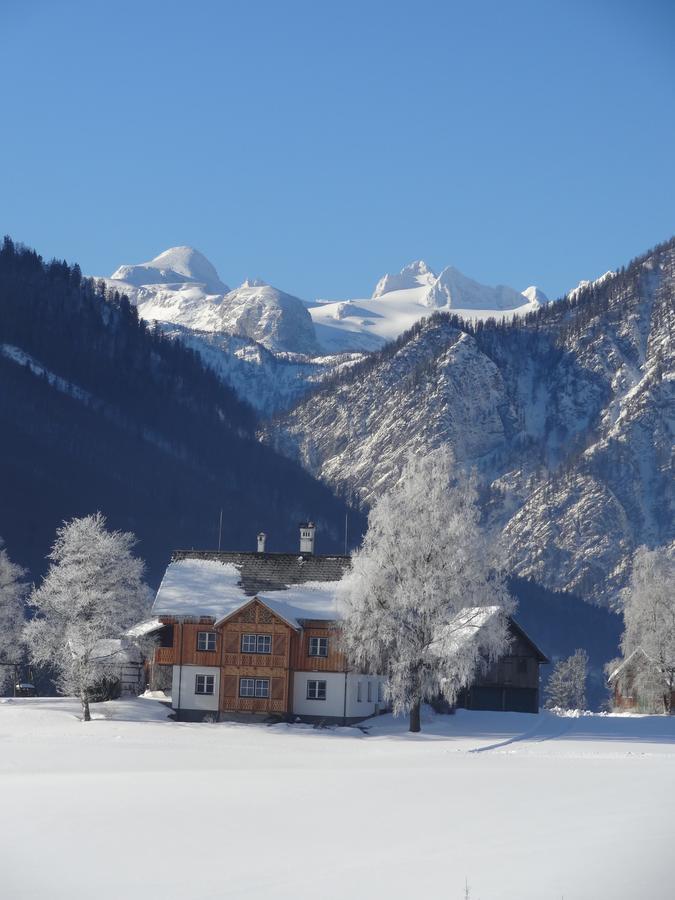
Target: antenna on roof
220	528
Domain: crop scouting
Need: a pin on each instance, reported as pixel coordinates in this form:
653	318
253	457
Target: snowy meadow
519	806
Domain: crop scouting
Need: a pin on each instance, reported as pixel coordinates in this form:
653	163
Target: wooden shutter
229	685
279	645
277	689
232	642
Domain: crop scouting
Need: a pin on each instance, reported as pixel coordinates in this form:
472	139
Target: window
318	646
316	690
166	636
254	687
206	640
359	692
256	643
205	684
370	692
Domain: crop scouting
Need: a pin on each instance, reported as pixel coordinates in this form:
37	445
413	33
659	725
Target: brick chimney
307	530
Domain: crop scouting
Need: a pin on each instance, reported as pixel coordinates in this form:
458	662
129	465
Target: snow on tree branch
649	616
425	602
92	593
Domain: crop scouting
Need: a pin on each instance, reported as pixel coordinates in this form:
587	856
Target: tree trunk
415	725
86	715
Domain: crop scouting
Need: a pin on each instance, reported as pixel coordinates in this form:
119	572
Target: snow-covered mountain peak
586	284
418	267
174	266
535	295
454	290
181	287
416	274
278	321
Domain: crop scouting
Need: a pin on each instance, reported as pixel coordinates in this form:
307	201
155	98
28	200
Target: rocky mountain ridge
567	416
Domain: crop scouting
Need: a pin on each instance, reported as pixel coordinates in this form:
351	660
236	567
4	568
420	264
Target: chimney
307	530
262	537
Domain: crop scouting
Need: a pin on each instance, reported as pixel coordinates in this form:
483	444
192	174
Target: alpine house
258	633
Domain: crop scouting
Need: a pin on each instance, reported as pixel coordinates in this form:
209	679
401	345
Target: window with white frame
256	643
206	640
316	690
370	692
359	692
205	684
254	687
318	646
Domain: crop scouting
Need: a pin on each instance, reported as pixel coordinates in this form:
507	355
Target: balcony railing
165	656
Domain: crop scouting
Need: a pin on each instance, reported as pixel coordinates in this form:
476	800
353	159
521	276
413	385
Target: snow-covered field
530	807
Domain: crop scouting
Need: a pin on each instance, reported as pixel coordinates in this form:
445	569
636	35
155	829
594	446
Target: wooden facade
301	660
510	683
638	685
227	655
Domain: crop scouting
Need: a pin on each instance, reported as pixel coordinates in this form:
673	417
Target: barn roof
517	630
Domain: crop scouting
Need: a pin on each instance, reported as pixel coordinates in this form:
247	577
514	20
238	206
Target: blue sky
319	144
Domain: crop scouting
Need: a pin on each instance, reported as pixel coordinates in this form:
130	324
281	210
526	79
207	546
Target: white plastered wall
334	705
188	698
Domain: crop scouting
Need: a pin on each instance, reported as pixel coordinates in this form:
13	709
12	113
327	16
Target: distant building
258	633
638	685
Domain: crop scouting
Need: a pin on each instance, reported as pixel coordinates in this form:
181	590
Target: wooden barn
258	633
512	682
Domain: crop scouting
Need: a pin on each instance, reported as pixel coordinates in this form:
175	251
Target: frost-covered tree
92	592
13	590
649	618
425	600
566	686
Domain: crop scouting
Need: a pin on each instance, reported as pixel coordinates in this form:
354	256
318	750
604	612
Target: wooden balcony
165	656
254	660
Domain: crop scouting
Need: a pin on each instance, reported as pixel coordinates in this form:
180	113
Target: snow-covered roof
312	600
638	652
203	587
146	627
116	652
464	627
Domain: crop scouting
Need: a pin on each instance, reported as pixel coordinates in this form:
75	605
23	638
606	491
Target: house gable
255	612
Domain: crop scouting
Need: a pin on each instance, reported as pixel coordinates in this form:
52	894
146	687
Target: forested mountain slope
98	411
567	415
